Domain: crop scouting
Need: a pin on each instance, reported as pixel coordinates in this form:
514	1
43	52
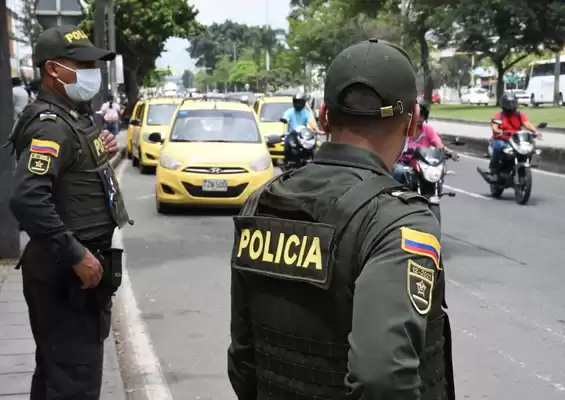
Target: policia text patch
285	249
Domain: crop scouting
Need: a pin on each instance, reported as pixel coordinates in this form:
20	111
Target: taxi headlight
431	174
262	163
167	161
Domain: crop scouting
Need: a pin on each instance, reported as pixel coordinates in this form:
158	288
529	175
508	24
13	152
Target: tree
322	30
188	79
144	26
28	24
504	31
9	233
222	71
244	70
203	80
454	71
156	77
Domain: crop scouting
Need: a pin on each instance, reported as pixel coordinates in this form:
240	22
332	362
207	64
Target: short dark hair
16	81
360	97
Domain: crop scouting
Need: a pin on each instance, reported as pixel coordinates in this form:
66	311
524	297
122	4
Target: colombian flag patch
422	244
44	147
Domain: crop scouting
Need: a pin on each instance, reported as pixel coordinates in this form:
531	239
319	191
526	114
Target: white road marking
508	357
136	335
475	195
149	196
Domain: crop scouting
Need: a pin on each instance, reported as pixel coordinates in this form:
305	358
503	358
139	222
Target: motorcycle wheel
435	209
496	191
523	190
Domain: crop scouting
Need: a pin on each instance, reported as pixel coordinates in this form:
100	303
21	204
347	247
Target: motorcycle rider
512	122
428	137
298	115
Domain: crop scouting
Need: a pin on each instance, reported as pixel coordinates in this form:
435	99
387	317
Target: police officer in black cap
66	197
337	279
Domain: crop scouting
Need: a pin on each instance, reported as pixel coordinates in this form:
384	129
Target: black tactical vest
290	364
86	195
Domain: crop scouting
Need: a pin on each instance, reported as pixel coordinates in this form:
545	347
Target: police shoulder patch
420	286
38	163
422	244
285	249
44	147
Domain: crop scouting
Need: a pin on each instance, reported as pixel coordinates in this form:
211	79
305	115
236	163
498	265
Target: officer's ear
324	122
50	68
414	118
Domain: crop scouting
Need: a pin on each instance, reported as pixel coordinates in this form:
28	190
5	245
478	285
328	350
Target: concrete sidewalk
17	348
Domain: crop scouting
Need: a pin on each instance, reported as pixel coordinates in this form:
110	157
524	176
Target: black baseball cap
383	67
68	41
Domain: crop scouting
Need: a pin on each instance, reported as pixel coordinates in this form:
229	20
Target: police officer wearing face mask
66	197
337	279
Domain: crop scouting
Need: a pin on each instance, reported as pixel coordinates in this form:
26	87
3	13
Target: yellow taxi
269	110
214	156
149	116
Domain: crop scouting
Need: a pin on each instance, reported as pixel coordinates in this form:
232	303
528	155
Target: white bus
541	82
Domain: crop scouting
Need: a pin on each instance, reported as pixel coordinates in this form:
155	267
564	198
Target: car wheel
163	208
142	168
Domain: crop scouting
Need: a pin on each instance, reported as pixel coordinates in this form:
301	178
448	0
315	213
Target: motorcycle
515	168
302	143
426	173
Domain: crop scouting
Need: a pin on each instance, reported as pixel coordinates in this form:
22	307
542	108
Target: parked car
522	96
436	98
476	96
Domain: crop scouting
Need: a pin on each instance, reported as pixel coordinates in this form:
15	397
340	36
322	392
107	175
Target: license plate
215	185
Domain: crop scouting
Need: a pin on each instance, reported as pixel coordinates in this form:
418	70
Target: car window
140	112
160	114
215	126
273	112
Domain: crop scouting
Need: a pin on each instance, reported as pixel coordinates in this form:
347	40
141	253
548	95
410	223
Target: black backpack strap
252	202
347	206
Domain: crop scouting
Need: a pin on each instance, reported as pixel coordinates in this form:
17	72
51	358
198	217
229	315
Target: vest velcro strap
356	198
296	371
305	346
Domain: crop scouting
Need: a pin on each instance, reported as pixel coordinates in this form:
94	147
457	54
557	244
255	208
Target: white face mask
406	140
87	85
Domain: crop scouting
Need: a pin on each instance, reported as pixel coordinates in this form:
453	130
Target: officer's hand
110	142
89	270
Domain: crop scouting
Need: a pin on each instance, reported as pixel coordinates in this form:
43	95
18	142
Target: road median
551	158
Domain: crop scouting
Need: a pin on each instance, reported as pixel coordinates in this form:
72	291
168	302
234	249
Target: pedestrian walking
111	113
337	281
20	96
66	198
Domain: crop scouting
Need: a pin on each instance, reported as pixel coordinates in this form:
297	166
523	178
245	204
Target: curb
483	123
551	159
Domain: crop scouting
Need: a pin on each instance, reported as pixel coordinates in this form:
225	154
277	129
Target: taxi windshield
273	112
215	126
160	114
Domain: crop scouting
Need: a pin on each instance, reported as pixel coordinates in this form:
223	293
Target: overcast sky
251	12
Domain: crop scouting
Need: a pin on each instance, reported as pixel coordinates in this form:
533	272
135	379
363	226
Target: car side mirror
273	139
284	120
135	122
496	121
155	137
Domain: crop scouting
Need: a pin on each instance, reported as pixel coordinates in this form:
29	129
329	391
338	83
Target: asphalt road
505	289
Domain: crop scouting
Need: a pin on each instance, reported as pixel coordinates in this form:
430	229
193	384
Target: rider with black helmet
427	137
298	115
512	121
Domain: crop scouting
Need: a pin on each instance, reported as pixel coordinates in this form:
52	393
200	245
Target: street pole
267	54
112	46
557	72
100	41
9	230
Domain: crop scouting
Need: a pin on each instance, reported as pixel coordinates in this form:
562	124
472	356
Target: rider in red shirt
512	122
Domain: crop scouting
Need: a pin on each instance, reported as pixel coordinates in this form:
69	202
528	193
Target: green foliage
156	77
143	26
235	54
454	71
203	80
188	78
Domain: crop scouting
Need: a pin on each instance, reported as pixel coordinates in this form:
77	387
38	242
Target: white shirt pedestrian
20	97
